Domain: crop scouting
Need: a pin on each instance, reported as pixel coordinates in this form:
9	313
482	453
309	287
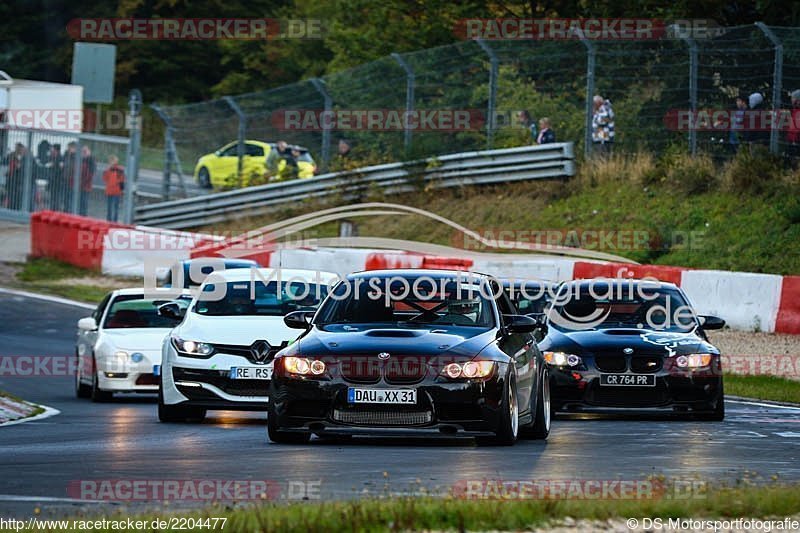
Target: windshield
134	311
530	298
398	302
631	306
258	298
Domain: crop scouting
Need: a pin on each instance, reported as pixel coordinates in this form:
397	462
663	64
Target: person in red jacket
114	178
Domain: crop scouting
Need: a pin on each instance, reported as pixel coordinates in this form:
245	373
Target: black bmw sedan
632	344
412	352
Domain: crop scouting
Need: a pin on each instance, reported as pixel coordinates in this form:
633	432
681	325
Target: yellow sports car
263	162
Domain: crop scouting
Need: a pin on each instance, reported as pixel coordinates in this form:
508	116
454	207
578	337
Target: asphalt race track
124	440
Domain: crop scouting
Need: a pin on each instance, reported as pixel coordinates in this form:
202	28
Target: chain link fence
647	81
59	171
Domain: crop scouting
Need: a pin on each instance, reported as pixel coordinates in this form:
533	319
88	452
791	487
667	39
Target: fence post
241	135
28	182
591	58
325	149
490	108
777	83
693	64
409	98
168	142
132	168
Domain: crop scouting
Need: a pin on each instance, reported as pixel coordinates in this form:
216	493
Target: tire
176	413
718	414
82	390
279	436
95	393
540	427
204	178
508	431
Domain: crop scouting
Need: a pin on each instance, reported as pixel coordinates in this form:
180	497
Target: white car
220	356
119	345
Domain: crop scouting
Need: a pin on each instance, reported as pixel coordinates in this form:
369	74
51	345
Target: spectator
114	178
793	134
67	167
281	151
546	134
15	176
524	118
344	148
602	125
56	186
737	124
756	133
88	168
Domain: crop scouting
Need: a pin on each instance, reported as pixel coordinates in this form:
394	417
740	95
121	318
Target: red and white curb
13	412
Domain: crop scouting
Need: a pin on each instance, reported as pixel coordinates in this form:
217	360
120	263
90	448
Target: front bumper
580	390
205	383
468	408
115	374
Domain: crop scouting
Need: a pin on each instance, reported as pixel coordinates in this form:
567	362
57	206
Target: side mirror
172	310
519	323
711	322
298	319
87	324
541	326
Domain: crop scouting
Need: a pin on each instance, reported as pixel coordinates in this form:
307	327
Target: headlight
469	370
695	360
192	348
302	366
561	359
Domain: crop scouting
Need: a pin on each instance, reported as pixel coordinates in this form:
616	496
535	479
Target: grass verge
763	388
48	276
425	513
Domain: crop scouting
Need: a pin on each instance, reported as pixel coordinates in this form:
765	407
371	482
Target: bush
752	171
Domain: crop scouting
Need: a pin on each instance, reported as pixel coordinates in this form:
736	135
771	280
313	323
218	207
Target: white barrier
746	301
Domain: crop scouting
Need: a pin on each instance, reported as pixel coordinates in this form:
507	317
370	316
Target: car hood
133	339
642	341
240	330
338	340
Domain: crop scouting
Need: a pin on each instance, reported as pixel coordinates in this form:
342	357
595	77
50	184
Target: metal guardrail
454	170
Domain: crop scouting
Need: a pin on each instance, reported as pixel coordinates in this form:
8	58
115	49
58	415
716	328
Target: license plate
251	372
628	380
392	396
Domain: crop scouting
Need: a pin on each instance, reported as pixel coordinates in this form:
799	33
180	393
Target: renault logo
260	351
627	351
384	355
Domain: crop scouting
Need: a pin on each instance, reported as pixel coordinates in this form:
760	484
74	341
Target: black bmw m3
412	352
632	344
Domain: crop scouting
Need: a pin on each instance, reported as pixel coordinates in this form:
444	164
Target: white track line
48	412
761	404
48	499
47	298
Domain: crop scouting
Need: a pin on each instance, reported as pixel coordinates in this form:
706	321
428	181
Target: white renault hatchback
220	356
119	345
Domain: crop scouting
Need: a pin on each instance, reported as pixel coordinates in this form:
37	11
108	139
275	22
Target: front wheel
96	394
508	431
540	428
81	390
204	178
279	436
177	413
